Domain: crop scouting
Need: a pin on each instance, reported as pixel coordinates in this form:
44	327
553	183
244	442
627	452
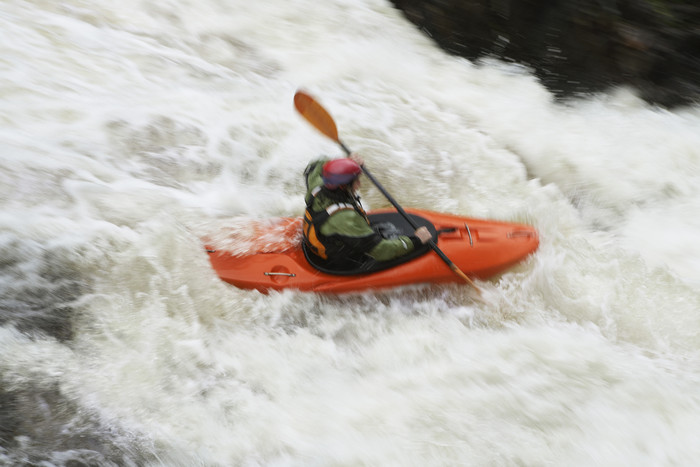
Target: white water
131	129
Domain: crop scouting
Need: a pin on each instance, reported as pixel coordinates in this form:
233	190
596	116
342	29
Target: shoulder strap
332	209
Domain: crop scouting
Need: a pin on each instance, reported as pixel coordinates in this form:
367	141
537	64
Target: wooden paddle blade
459	272
315	114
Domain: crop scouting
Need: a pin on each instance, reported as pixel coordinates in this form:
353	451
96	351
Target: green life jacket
337	249
348	235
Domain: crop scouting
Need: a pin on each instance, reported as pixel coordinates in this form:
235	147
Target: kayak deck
480	248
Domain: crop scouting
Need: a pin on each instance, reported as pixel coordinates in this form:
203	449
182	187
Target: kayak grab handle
287	274
454	229
469	232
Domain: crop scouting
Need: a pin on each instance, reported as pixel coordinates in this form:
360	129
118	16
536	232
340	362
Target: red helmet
340	172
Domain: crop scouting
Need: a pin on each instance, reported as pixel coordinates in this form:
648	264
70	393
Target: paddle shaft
410	220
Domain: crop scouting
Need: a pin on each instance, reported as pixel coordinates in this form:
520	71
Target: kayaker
336	227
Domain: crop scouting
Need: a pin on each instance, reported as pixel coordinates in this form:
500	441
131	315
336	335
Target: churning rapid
133	130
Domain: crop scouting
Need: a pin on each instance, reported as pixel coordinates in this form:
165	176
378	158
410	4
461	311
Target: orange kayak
276	259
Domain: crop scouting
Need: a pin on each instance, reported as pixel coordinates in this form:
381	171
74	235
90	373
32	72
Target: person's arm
350	224
393	248
396	247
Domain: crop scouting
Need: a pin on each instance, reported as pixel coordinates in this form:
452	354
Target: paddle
317	116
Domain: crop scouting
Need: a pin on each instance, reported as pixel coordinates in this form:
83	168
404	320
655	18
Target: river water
131	130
